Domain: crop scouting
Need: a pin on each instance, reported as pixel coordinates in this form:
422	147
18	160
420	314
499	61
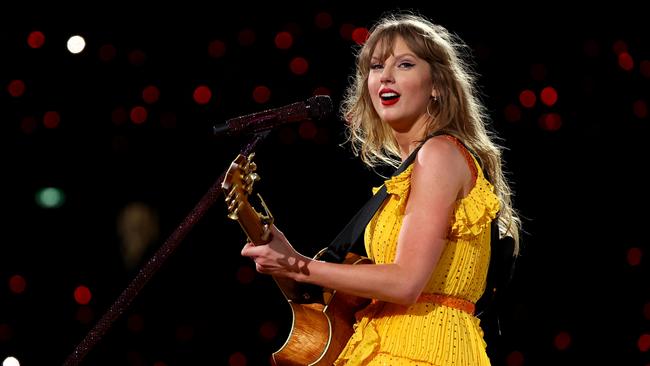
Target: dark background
581	290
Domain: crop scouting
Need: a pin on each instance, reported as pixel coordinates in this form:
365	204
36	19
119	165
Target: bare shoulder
441	160
440	152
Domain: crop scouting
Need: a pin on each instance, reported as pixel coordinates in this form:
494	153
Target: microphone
315	108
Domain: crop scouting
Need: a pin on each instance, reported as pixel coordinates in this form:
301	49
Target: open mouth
389	97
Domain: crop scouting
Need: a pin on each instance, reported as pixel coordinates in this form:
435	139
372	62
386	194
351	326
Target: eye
406	65
376	66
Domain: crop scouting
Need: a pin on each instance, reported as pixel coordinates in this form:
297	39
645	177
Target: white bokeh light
10	361
76	44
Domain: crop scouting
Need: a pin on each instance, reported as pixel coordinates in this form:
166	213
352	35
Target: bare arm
438	177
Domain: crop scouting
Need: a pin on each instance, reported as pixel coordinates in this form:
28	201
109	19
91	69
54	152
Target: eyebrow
407	54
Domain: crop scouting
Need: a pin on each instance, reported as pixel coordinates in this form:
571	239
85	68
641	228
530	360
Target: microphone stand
154	263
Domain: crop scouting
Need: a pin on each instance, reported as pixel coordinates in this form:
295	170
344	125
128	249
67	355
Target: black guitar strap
349	238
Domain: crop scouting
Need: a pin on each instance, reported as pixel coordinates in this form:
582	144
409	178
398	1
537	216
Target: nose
387	75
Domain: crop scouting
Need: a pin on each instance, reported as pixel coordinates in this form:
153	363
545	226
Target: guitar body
322	318
320	331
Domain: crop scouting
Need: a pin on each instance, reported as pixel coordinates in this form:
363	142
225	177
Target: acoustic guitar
322	319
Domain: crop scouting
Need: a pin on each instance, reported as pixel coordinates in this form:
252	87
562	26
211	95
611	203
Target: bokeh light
76	44
50	197
17	284
261	94
36	39
82	295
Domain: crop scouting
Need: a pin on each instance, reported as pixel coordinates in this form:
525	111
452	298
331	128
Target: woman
430	241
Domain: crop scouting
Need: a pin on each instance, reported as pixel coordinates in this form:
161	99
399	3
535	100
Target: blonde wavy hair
457	109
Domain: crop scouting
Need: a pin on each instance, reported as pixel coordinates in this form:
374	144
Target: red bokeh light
550	121
644	342
283	40
16	88
202	94
17	284
138	115
299	65
51	119
562	341
548	96
150	94
625	61
82	295
36	39
360	35
216	48
527	98
634	256
261	94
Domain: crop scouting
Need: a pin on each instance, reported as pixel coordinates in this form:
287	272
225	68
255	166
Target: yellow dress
427	332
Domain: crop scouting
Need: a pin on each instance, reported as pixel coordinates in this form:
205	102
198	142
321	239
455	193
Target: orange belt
450	301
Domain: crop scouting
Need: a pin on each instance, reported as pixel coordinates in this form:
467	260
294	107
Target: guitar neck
237	186
251	223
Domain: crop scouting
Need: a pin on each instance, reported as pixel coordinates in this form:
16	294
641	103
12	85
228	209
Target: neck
408	140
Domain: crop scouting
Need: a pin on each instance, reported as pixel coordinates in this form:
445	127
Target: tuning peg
232	193
233	205
251	178
249	181
233	215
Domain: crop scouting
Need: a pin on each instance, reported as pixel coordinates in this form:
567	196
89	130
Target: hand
277	257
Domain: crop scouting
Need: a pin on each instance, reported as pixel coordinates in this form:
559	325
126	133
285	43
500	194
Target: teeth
388	95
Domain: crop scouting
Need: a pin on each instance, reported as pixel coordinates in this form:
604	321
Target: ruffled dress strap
476	211
399	184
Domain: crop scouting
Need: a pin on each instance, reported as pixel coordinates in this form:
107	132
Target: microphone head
320	106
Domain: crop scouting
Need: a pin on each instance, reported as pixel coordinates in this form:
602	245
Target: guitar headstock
238	183
238	186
